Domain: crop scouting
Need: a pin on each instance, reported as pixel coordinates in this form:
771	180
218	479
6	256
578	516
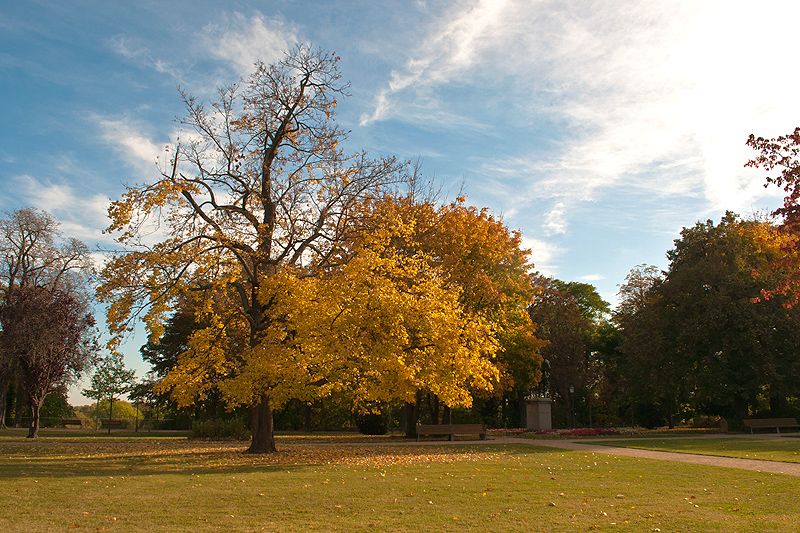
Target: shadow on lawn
62	460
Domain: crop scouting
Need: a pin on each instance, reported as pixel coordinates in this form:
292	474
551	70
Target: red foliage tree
782	155
53	337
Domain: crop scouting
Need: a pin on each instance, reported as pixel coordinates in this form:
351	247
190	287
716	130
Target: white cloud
242	40
127	136
124	46
555	222
651	95
81	216
591	277
451	49
543	254
236	40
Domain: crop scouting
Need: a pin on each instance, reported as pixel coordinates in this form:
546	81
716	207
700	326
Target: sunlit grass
182	485
786	450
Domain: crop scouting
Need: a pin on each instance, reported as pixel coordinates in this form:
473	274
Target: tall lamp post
571	406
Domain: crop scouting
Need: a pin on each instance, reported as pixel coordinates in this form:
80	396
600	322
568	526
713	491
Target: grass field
169	484
786	449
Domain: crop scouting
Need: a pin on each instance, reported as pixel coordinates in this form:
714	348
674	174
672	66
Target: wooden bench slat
776	423
452	430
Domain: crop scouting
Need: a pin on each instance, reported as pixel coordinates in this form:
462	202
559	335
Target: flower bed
564	433
585	432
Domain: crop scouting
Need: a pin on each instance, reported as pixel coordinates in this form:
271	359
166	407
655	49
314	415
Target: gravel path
774	467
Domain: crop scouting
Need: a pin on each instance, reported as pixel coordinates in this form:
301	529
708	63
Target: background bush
221	429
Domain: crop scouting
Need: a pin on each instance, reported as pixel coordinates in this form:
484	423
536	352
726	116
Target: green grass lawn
182	485
786	450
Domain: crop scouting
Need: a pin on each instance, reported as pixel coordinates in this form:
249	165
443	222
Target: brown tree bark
447	415
433	406
412	415
263	440
308	417
3	401
33	432
20	401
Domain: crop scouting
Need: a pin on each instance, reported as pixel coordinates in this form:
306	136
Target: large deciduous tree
53	337
256	198
654	374
485	263
739	350
34	254
565	324
711	345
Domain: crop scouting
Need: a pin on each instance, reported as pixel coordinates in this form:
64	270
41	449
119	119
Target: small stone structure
538	416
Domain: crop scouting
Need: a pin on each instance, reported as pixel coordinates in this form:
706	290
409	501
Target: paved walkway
774	467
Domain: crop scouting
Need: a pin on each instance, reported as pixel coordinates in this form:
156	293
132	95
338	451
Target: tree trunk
777	404
110	410
433	407
404	418
263	428
3	398
447	415
410	420
33	432
740	408
412	414
671	413
522	408
21	397
308	417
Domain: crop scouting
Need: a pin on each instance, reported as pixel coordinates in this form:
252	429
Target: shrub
221	429
371	424
705	422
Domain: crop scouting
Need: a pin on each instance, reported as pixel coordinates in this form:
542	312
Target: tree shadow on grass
63	460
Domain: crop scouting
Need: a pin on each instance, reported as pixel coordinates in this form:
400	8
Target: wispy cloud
544	255
233	39
242	40
127	136
142	55
450	51
650	95
81	216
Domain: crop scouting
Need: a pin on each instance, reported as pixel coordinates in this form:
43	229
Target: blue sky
597	128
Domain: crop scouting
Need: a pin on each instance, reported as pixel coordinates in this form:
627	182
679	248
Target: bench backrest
770	422
447	429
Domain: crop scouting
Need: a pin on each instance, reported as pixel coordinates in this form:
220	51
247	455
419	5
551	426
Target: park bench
776	423
452	430
71	421
111	423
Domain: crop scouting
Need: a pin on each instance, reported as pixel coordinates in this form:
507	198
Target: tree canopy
53	273
782	155
271	235
110	381
699	327
53	337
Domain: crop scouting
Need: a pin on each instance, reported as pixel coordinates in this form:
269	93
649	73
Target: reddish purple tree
780	157
53	336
